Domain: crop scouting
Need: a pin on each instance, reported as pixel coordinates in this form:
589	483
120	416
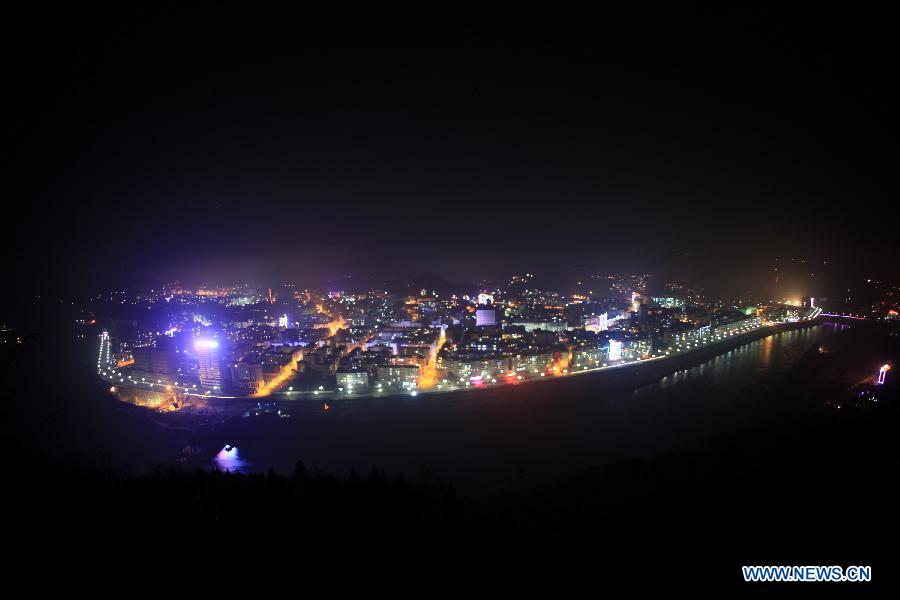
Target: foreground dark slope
816	491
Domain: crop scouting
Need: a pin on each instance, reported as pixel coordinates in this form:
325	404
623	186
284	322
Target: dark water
489	440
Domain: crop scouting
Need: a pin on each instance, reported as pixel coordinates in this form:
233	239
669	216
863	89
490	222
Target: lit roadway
429	375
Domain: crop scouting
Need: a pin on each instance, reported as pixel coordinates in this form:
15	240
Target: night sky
215	145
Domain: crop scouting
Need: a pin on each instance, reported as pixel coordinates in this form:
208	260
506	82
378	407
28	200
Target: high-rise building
209	359
485	316
155	365
615	350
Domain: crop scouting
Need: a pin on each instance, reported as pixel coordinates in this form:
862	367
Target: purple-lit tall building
209	358
485	316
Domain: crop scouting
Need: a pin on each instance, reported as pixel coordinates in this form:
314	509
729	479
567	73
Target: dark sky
220	143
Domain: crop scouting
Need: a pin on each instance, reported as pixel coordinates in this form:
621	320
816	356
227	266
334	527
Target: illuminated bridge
842	316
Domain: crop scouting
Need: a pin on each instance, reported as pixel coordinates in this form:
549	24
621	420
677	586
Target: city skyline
190	346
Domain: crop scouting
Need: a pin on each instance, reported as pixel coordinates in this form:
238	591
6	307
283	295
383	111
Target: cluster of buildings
209	365
238	341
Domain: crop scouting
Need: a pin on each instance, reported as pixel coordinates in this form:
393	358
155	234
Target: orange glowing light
561	362
287	371
428	374
333	326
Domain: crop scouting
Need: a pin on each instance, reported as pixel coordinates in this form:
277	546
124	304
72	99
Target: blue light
228	459
615	349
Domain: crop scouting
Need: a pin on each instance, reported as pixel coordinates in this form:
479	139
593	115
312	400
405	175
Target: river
492	439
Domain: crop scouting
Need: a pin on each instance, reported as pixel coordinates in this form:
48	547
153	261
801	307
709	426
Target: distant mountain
432	282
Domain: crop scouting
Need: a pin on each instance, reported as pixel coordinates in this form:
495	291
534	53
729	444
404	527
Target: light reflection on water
751	363
229	459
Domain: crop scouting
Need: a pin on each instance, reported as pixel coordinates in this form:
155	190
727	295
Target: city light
422	356
615	349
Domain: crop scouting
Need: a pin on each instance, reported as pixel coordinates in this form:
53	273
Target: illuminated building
668	301
589	358
210	362
481	366
354	379
554	326
283	321
634	349
381	343
882	372
485	316
485	298
534	363
398	376
596	324
615	350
